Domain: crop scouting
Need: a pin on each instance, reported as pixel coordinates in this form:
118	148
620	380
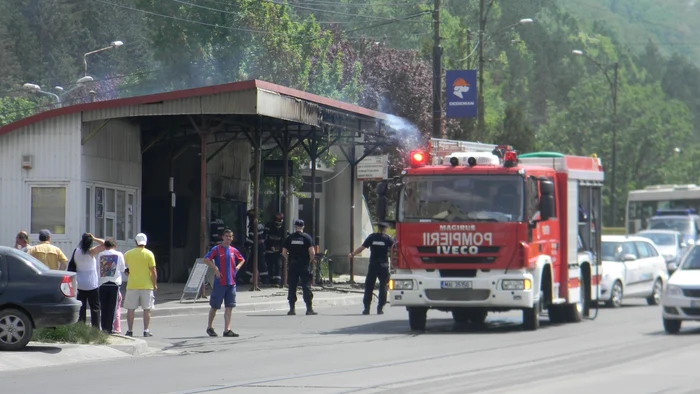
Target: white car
633	268
681	300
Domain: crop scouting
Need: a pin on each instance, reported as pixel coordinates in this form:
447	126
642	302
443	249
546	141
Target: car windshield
660	238
683	225
462	198
29	259
614	251
691	261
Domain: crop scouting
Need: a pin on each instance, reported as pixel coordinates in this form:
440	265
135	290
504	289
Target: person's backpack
71	263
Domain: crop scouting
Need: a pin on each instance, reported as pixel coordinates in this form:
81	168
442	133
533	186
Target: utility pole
469	48
613	208
437	73
481	126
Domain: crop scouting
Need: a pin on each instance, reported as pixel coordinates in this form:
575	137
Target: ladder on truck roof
440	148
582	168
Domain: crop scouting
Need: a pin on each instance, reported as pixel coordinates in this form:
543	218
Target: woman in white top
88	277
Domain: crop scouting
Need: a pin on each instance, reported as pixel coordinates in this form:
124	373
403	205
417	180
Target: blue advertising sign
461	94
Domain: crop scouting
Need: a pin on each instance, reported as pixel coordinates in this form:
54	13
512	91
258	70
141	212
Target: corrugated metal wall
113	155
228	175
55	150
226	103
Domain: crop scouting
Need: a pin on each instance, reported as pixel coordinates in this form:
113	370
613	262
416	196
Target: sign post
195	281
461	94
373	168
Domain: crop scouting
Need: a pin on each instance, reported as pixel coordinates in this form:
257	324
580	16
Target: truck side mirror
546	200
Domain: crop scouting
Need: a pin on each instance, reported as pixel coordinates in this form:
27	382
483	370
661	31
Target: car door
649	268
3	275
632	269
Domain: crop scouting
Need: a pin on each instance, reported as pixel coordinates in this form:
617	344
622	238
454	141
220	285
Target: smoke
405	132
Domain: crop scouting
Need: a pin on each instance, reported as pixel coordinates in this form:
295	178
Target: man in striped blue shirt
225	260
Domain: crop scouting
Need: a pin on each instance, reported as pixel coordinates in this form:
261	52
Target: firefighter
274	240
262	266
299	252
379	244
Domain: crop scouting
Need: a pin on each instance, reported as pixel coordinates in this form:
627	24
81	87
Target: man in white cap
143	278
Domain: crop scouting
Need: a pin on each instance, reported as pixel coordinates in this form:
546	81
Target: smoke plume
406	133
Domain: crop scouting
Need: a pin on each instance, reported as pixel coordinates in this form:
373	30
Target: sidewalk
265	299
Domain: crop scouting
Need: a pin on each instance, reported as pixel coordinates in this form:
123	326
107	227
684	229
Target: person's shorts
139	298
222	294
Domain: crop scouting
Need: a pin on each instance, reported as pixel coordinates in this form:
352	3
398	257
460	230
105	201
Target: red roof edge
189	93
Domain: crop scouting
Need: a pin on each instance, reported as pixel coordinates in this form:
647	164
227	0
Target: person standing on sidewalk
273	248
300	248
379	244
88	278
22	241
112	265
51	255
225	261
142	282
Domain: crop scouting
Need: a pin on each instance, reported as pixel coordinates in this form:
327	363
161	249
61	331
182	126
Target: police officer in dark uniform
299	251
274	241
379	244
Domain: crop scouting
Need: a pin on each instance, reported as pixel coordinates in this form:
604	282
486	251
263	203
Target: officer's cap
383	224
299	223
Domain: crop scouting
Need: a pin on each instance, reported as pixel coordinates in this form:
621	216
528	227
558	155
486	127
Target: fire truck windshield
461	198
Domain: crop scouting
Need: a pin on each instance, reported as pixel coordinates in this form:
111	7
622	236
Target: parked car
32	296
633	267
681	300
670	243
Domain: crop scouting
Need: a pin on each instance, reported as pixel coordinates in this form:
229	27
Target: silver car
669	243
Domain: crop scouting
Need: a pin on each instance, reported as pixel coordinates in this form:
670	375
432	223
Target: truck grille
458	259
695	293
482	249
458	295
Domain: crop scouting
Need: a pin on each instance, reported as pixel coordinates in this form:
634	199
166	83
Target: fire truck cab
482	229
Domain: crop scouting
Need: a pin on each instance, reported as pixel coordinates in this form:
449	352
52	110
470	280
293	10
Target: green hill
671	24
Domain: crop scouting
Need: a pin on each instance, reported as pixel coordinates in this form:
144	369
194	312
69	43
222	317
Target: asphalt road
340	351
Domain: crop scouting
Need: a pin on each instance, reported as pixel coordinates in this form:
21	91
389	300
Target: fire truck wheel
417	317
531	318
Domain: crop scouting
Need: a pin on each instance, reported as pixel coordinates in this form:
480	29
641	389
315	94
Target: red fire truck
480	228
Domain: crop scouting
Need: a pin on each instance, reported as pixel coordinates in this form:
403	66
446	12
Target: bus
643	204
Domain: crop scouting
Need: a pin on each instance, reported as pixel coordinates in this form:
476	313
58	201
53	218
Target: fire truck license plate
457	284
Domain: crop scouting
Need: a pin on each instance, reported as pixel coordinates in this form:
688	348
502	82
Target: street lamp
34	88
114	44
613	88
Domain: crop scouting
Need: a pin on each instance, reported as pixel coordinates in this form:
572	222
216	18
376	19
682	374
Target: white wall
54	145
112	161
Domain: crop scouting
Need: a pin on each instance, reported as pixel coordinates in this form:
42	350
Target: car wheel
15	330
672	326
655	297
616	295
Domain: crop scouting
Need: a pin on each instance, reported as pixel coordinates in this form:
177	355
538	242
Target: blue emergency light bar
668	212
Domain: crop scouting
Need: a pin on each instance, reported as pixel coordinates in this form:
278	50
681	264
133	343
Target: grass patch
74	333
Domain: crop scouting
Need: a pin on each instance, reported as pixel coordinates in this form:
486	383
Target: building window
48	210
114	213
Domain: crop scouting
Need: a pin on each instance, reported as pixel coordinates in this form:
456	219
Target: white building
106	168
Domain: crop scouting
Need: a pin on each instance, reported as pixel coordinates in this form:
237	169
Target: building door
305	215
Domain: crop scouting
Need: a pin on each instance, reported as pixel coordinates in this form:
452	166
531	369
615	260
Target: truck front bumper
492	291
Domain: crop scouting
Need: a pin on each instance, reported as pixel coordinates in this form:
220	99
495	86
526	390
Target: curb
283	304
137	347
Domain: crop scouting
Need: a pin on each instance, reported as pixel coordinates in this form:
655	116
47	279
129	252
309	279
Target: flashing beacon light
510	158
418	158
